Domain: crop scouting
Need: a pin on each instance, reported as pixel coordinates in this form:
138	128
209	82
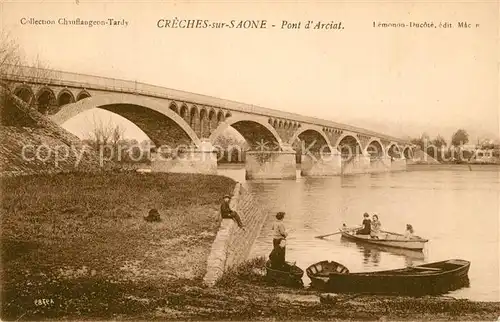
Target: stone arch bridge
173	118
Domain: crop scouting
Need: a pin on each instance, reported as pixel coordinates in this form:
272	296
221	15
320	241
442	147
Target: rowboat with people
370	232
372	248
386	238
432	278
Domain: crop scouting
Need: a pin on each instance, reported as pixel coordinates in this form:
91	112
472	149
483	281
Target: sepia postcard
265	160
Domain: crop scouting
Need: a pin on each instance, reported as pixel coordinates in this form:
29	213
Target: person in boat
277	255
367	223
409	232
376	225
227	213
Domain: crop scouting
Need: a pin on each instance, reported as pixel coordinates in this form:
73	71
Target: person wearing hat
278	255
367	223
227	213
153	215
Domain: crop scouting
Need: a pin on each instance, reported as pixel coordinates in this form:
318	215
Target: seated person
227	212
376	226
409	231
366	225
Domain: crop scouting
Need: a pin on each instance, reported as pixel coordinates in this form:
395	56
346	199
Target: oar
339	232
322	236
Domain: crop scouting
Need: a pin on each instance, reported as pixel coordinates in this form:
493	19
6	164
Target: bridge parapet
291	121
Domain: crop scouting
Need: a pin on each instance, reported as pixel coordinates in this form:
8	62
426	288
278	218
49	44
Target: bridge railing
63	78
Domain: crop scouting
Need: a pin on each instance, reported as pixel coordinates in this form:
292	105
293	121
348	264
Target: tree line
458	150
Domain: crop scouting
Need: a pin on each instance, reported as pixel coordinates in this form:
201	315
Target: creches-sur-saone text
246	24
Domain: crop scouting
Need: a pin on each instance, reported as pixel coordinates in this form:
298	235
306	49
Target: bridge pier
381	164
201	159
327	164
271	165
356	165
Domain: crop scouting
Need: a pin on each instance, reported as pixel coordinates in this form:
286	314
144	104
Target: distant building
488	154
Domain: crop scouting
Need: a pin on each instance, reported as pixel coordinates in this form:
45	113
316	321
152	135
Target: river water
458	211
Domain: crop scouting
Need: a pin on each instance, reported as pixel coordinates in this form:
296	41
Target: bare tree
14	67
439	141
10	54
105	133
231	146
117	134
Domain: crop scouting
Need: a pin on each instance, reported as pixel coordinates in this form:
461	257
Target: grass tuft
251	270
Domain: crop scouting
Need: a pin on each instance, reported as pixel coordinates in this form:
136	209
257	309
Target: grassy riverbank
237	297
81	238
75	246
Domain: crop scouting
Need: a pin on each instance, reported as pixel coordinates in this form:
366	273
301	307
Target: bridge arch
348	145
203	122
220	117
393	150
308	140
407	152
24	92
153	117
311	131
184	113
82	95
193	118
374	148
174	108
65	97
46	101
254	131
212	121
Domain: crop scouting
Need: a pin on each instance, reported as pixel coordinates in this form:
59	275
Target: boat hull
451	276
414	254
414	244
291	275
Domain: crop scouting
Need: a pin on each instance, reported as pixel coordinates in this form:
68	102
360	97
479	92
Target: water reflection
372	255
443	206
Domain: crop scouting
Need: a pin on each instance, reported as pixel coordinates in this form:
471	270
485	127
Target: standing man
278	255
227	213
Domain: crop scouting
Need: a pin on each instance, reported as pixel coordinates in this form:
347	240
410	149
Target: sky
399	81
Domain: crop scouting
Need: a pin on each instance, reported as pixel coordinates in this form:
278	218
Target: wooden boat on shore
433	278
387	239
290	274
